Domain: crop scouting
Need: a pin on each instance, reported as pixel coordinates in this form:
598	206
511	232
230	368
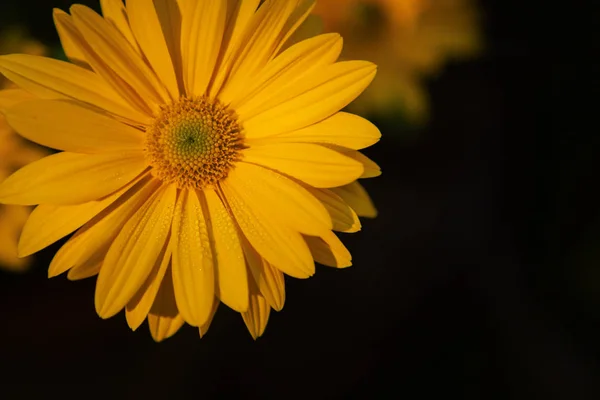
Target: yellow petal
133	254
260	41
78	269
257	317
329	250
313	164
239	14
85	270
115	13
66	125
289	67
69	46
318	96
11	97
148	31
170	16
163	327
139	306
201	36
54	79
296	19
202	330
268	279
193	271
114	52
52	179
283	199
343	216
12	220
357	198
110	77
48	223
371	169
231	278
80	262
342	129
164	319
90	244
281	246
185	5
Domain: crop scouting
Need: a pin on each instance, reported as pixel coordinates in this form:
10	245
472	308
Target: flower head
203	156
410	40
14	153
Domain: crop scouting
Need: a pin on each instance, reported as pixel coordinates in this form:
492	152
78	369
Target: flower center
194	143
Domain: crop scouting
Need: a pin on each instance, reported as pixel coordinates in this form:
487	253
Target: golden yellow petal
283	199
12	220
239	14
268	279
115	13
11	97
49	223
230	266
148	30
202	330
69	46
118	55
257	317
66	125
90	244
257	47
85	270
310	163
278	244
170	17
110	77
201	35
289	67
296	19
329	250
163	327
342	215
139	306
193	265
133	253
318	96
371	169
83	255
341	129
52	179
357	197
185	5
54	79
164	319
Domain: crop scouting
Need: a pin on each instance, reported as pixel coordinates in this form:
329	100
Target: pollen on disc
194	143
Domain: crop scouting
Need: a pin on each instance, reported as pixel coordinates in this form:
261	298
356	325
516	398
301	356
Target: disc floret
194	142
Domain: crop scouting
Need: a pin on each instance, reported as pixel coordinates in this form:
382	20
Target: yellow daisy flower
410	40
203	156
14	153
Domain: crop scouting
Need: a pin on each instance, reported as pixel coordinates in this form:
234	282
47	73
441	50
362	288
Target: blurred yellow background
15	152
409	40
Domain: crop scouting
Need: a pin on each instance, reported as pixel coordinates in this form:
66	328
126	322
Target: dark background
480	279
